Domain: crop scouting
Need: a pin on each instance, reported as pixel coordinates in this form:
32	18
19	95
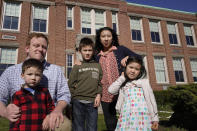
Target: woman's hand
124	60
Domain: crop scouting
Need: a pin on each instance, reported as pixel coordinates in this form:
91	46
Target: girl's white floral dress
134	115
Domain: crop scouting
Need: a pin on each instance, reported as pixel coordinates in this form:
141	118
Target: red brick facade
63	40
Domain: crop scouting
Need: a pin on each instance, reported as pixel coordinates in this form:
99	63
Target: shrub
163	99
184	101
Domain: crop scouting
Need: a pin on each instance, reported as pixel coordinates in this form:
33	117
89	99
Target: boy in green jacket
85	87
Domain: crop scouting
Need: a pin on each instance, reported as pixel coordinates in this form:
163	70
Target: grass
4	124
163	125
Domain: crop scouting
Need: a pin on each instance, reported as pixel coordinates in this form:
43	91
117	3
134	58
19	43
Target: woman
112	57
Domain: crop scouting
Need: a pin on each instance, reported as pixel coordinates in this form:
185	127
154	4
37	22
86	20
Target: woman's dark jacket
120	53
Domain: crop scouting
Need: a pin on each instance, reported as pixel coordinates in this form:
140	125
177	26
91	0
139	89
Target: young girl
136	102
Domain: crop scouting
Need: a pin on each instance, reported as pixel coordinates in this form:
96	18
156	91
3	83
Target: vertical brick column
168	53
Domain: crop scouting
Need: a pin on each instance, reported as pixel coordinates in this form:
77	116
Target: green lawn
4	124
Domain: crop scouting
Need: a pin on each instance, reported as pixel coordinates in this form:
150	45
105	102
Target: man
53	78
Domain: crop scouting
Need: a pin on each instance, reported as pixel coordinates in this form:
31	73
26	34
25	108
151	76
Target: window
70	17
86	21
172	33
91	20
7	58
136	28
178	69
99	19
11	15
193	63
160	69
40	18
189	35
155	31
69	64
115	22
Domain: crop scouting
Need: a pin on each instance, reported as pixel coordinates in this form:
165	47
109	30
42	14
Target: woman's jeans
109	112
84	116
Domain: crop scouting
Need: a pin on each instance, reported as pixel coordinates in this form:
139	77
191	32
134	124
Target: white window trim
184	71
67	62
191	68
177	35
33	18
116	15
2	19
92	15
160	33
72	17
16	52
194	38
166	71
142	32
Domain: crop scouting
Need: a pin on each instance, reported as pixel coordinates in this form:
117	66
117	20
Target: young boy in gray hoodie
85	87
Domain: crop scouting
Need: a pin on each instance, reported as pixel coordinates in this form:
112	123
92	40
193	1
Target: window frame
3	16
176	33
32	17
72	16
115	14
183	70
193	71
192	35
92	19
153	32
8	64
165	69
67	66
141	29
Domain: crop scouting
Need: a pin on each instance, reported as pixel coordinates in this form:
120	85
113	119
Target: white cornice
40	2
91	6
161	18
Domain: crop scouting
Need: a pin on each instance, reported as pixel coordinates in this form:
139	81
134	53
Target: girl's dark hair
98	44
142	73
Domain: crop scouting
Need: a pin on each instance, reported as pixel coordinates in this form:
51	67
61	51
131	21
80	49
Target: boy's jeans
84	116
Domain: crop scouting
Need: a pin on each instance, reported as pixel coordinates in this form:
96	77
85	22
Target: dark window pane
133	35
191	40
68	71
157	37
69	23
42	25
139	35
179	76
88	31
83	30
36	25
153	36
14	23
175	39
195	79
188	40
114	27
171	39
7	22
3	67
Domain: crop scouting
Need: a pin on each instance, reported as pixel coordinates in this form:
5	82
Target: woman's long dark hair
142	73
99	45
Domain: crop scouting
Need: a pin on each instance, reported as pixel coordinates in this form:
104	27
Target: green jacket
85	81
